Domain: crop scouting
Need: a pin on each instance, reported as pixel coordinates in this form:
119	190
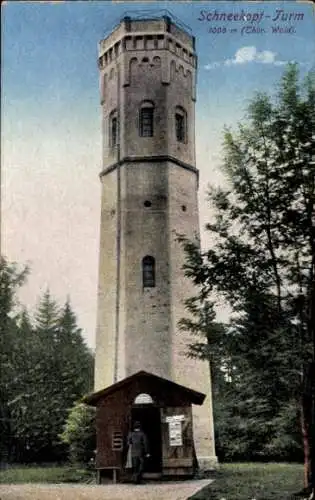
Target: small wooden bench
115	471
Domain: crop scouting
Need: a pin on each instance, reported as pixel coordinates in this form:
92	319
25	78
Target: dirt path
162	491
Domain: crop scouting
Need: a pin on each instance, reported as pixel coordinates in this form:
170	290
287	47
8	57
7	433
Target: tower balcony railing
148	15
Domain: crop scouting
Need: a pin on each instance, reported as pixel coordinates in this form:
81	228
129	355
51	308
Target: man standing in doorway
137	441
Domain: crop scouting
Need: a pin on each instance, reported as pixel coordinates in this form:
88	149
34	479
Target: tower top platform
149	23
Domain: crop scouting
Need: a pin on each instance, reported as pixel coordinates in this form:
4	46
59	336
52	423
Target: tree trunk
306	440
312	432
308	428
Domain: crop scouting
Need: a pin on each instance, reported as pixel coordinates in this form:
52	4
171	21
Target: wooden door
177	440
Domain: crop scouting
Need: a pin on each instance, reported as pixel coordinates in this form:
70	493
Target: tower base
208	463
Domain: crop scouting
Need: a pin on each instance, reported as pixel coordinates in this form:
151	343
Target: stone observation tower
149	194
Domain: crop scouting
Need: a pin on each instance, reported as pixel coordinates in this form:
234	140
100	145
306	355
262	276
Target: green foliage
45	368
50	475
248	481
11	279
262	265
73	353
79	434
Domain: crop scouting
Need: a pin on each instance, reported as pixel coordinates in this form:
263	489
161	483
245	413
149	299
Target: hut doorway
149	417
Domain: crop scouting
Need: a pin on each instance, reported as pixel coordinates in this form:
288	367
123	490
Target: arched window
146	119
180	124
143	399
148	271
113	129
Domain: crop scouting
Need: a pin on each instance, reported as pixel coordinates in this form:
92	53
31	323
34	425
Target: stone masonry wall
149	193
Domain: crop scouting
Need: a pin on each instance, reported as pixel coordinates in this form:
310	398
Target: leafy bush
79	434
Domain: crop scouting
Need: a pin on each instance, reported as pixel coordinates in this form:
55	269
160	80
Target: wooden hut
164	410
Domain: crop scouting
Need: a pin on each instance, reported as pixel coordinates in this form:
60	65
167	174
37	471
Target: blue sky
51	143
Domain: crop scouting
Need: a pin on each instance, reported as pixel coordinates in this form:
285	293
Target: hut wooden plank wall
166	420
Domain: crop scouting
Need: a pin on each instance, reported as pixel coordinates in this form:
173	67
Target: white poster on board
175	433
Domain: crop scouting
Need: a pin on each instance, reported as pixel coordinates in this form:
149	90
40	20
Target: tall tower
149	194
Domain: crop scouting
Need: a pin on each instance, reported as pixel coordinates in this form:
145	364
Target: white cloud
281	63
243	55
249	54
213	65
266	57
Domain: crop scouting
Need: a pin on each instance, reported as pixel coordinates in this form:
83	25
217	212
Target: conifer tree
12	278
263	259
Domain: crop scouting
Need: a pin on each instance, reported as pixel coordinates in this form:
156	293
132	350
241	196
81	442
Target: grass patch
57	474
249	481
